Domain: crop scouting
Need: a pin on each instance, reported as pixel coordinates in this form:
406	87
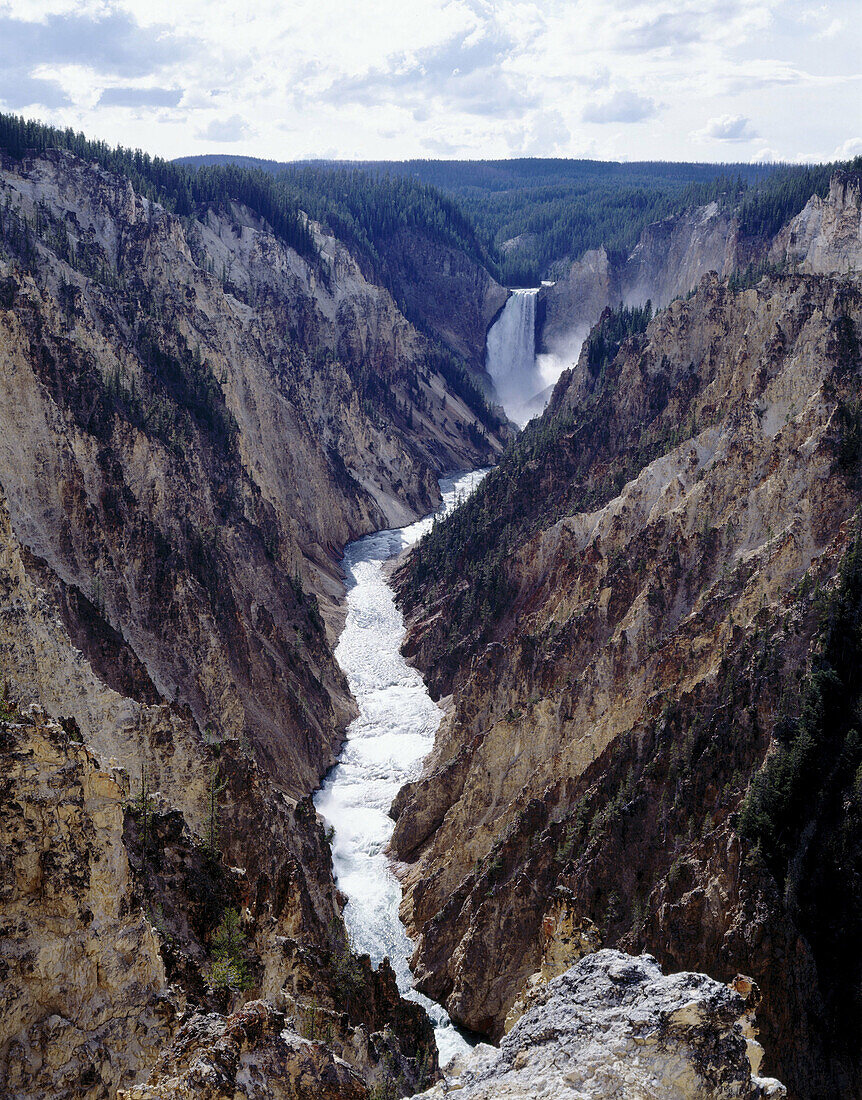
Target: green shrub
229	968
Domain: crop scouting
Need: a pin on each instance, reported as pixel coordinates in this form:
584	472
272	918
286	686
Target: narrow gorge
411	685
636	616
385	745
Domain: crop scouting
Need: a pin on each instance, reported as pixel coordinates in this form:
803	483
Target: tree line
523	220
527	218
180	189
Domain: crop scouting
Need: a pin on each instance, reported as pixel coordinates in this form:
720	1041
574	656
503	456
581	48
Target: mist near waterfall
511	356
523	379
561	354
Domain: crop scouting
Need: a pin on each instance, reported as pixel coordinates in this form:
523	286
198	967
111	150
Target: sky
708	80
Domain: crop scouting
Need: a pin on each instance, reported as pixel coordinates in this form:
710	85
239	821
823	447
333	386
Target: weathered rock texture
193	421
669	260
827	235
631	620
180	452
249	1054
85	1004
673	255
615	1026
362	1018
109	910
566	937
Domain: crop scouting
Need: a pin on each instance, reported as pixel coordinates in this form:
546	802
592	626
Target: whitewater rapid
384	749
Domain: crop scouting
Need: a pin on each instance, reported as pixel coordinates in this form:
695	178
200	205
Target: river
384	748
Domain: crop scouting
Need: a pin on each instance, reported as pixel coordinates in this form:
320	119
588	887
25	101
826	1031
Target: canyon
196	419
673	255
638	597
183	457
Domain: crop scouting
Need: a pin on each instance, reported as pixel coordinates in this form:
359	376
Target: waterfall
511	357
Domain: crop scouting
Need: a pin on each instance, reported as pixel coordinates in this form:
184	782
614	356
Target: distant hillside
531	215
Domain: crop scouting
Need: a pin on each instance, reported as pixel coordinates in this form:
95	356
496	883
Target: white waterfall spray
511	357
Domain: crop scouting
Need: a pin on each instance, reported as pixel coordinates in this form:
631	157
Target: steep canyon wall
194	420
638	614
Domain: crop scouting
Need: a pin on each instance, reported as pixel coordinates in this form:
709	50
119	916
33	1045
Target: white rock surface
613	1027
826	236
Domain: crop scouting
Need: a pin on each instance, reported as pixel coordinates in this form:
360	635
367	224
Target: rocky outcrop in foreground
248	1055
613	1026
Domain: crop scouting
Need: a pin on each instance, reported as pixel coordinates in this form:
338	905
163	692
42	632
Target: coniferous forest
527	218
254	525
522	219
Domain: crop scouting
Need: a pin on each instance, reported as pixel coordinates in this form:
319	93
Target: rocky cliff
84	990
673	255
827	235
637	620
113	922
205	445
446	292
194	419
614	1025
252	1054
669	260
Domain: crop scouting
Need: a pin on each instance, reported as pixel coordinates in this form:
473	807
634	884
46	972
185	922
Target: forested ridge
361	208
363	211
540	479
520	219
538	213
560	209
529	217
178	188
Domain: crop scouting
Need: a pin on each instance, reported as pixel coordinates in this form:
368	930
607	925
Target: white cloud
823	20
544	135
832	29
848	149
123	95
727	128
109	42
622	106
225	129
389	78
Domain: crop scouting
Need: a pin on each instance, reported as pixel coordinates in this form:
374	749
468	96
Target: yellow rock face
566	937
714	456
85	1004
